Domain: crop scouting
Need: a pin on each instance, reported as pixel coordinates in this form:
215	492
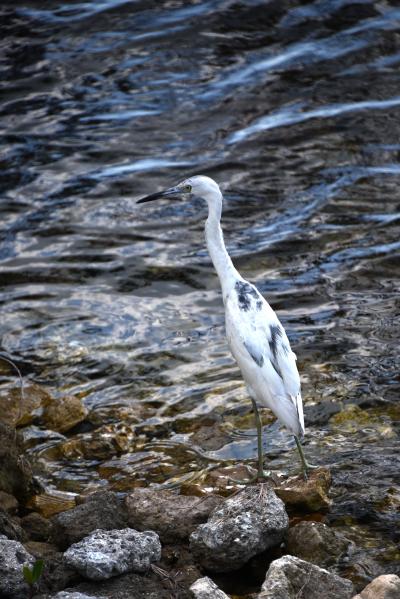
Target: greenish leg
260	470
304	464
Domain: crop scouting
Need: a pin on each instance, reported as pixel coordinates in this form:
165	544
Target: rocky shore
274	539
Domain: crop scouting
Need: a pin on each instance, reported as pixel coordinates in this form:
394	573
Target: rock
15	471
36	527
245	524
64	413
293	578
50	504
102	510
8	503
132	586
13	556
317	543
386	586
76	595
11	528
20	409
306	495
173	517
109	553
41	550
205	588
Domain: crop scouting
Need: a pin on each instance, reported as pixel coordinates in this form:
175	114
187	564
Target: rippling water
294	108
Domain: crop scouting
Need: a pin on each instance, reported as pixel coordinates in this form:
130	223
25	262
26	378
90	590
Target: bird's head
199	185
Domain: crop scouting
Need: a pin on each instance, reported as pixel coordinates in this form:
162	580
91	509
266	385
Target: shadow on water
294	108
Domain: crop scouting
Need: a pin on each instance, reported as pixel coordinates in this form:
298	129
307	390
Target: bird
255	336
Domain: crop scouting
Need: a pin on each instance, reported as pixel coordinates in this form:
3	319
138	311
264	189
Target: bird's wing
254	328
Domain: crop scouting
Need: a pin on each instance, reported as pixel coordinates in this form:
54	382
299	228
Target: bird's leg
260	469
304	464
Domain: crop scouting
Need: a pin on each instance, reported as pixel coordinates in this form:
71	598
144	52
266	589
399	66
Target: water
294	109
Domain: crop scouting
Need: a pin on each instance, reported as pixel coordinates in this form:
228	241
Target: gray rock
205	588
245	524
130	586
292	578
76	595
36	527
104	554
13	556
317	543
101	510
11	528
386	586
173	517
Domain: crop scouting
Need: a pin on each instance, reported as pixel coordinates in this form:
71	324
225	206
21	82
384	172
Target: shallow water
294	109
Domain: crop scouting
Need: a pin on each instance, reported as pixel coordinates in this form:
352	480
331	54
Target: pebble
205	588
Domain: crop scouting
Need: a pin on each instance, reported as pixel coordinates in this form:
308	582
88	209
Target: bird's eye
187	188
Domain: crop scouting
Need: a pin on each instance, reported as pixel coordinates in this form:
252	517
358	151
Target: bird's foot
306	467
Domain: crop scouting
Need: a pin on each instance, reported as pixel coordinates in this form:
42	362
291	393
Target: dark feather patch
245	293
258	358
276	334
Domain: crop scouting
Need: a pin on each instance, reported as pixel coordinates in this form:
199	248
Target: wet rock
309	495
244	525
8	503
50	504
291	578
10	527
205	588
222	481
386	586
20	409
104	554
101	444
15	471
173	517
13	556
63	413
36	527
317	543
101	510
210	438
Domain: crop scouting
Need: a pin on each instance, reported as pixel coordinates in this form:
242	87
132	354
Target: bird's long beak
172	191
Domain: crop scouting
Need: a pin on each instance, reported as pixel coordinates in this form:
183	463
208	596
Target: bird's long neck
227	273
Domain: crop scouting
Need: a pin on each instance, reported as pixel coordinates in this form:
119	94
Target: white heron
255	336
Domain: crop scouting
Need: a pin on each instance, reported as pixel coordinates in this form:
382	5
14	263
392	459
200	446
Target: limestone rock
386	586
76	595
292	578
13	556
107	553
306	495
171	516
205	588
20	409
244	525
316	543
102	510
15	471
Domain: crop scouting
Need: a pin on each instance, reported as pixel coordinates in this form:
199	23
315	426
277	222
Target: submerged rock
174	517
293	578
52	503
317	543
243	526
21	408
205	588
102	510
386	586
13	557
109	553
76	595
309	495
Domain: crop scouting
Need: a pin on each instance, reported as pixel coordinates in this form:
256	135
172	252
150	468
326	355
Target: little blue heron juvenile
255	336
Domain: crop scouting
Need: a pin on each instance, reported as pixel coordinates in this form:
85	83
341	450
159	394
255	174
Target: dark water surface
294	108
